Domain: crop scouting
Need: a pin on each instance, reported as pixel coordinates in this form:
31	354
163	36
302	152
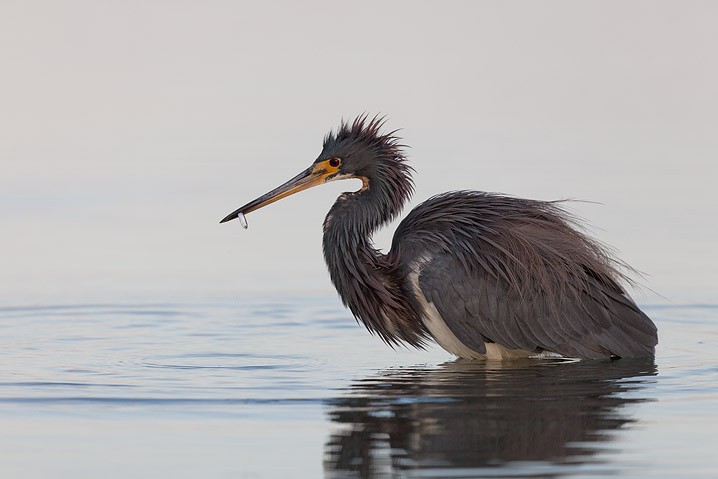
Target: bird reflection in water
464	417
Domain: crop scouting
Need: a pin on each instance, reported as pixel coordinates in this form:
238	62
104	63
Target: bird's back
516	273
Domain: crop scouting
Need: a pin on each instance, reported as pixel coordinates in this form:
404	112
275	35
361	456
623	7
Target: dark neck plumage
366	279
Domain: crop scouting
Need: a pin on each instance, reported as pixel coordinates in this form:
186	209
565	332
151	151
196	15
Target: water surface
292	387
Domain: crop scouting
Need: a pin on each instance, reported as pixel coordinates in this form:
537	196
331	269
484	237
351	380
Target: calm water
292	387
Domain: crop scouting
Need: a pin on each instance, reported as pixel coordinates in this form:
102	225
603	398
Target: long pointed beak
312	176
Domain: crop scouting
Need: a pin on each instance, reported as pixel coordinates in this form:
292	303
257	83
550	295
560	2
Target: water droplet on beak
242	220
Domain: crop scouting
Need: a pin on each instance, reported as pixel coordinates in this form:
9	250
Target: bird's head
357	150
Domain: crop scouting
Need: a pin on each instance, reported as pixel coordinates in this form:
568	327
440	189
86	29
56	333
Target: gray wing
596	322
518	273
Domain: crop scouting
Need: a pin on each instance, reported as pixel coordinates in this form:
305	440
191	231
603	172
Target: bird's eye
335	162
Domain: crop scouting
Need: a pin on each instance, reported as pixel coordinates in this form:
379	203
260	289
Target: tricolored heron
485	275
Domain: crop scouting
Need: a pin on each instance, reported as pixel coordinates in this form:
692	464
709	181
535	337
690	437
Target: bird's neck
367	280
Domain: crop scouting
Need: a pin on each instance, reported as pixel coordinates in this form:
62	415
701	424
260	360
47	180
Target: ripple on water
236	361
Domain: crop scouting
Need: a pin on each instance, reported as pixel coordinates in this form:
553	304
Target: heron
485	275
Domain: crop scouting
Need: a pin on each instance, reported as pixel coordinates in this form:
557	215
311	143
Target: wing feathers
517	273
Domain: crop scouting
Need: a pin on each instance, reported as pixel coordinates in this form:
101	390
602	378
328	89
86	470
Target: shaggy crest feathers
368	132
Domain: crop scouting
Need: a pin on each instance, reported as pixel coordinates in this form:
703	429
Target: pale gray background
128	129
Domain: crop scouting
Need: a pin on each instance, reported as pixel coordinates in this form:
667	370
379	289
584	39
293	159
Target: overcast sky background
129	129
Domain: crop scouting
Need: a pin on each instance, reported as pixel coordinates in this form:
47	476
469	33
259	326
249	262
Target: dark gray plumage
486	275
